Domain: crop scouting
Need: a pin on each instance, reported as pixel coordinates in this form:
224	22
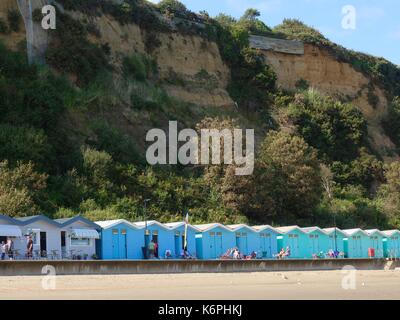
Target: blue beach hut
246	238
376	241
267	241
356	243
158	233
178	232
318	241
391	244
294	238
120	240
213	240
339	235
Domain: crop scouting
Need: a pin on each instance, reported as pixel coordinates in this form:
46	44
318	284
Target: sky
375	29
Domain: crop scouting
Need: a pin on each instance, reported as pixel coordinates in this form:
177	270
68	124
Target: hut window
311	236
219	233
290	236
80	242
296	235
177	233
212	234
354	237
237	234
155	233
317	236
123	231
358	237
262	235
114	231
244	234
267	235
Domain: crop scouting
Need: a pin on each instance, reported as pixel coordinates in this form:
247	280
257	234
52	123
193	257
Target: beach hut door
115	243
177	246
124	247
43	241
218	244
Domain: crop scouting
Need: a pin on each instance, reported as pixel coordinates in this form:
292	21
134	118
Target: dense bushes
72	53
337	130
391	123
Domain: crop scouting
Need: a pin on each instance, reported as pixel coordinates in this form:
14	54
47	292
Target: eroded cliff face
190	68
324	73
14	39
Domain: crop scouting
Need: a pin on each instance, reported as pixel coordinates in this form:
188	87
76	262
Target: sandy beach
260	285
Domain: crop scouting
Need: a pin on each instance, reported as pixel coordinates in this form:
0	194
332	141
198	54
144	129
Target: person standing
29	248
150	249
2	250
10	248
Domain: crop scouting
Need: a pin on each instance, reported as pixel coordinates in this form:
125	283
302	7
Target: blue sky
377	30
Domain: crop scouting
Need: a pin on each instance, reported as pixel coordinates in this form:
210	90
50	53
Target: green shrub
3	26
391	123
139	67
302	85
337	130
71	52
14	20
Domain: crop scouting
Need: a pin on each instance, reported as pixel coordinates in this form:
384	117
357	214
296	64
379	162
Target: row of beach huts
79	238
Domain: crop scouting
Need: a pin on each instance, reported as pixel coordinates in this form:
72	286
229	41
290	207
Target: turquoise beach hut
120	240
213	240
267	239
356	243
178	232
246	238
160	234
376	242
294	238
318	241
339	235
391	244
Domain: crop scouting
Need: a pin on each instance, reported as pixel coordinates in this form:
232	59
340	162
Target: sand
260	285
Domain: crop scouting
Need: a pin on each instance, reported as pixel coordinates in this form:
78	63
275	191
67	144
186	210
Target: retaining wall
14	268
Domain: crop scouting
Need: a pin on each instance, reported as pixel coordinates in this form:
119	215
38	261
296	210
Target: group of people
152	250
235	254
284	253
7	248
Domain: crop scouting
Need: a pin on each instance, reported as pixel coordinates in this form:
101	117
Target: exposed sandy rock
325	73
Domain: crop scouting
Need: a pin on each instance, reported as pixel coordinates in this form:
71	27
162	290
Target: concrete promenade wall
15	268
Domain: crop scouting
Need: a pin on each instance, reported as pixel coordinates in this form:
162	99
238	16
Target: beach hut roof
10	219
27	220
350	232
175	225
390	233
235	227
288	229
332	230
312	229
142	224
209	226
265	227
373	231
67	221
112	223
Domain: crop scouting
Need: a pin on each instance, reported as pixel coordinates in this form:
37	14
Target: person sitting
236	254
287	252
168	254
281	254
